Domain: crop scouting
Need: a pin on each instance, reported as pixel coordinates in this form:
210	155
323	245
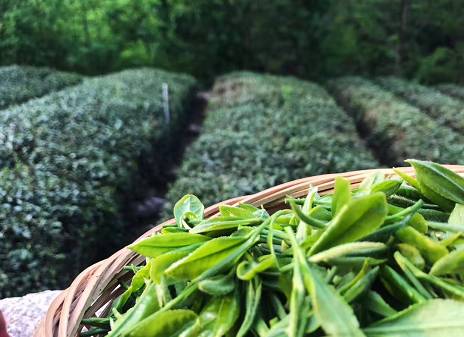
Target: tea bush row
263	130
446	110
66	159
452	90
395	128
20	83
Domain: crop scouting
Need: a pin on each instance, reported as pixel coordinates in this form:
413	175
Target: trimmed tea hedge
453	90
66	158
263	130
396	129
20	83
444	109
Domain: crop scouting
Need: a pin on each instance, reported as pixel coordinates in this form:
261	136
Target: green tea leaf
342	195
218	285
253	299
160	263
404	212
243	211
389	187
333	313
441	181
385	232
214	255
305	217
170	323
219	315
355	220
369	182
162	243
404	264
431	250
417	221
407	178
453	263
302	228
297	298
247	270
188	208
445	227
399	287
457	215
375	303
357	248
350	279
321	213
146	305
433	318
452	288
220	224
361	286
173	229
137	282
412	254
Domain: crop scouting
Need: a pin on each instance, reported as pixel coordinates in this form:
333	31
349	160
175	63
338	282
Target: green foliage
453	90
214	37
282	276
395	128
444	109
66	159
263	130
312	39
416	39
20	83
441	65
352	26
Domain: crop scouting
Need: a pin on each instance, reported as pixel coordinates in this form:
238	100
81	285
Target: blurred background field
110	111
421	39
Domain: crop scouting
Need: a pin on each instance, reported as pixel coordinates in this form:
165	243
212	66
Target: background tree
313	39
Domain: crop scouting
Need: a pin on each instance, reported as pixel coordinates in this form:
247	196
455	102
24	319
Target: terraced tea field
70	160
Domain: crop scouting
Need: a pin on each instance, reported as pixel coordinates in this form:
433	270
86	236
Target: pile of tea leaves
383	259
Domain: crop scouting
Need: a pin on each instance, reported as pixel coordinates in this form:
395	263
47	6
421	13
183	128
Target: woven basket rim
95	287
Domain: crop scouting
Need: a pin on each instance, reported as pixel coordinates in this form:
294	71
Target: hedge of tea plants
452	90
66	158
263	130
444	109
20	83
395	128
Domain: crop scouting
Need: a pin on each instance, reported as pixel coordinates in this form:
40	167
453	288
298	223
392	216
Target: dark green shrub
396	129
263	130
453	90
20	83
66	159
444	109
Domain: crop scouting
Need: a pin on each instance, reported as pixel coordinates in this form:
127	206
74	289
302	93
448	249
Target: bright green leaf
433	318
162	243
355	220
188	208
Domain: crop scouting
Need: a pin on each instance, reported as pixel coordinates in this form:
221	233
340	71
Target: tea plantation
66	159
444	109
393	127
263	130
70	160
20	83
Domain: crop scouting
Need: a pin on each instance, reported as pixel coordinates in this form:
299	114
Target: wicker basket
95	288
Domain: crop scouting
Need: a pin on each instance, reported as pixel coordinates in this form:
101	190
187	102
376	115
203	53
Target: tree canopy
420	39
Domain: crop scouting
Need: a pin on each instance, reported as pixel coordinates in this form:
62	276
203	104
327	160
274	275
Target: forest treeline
418	39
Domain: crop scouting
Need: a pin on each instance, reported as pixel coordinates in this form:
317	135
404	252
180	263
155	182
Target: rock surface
23	314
